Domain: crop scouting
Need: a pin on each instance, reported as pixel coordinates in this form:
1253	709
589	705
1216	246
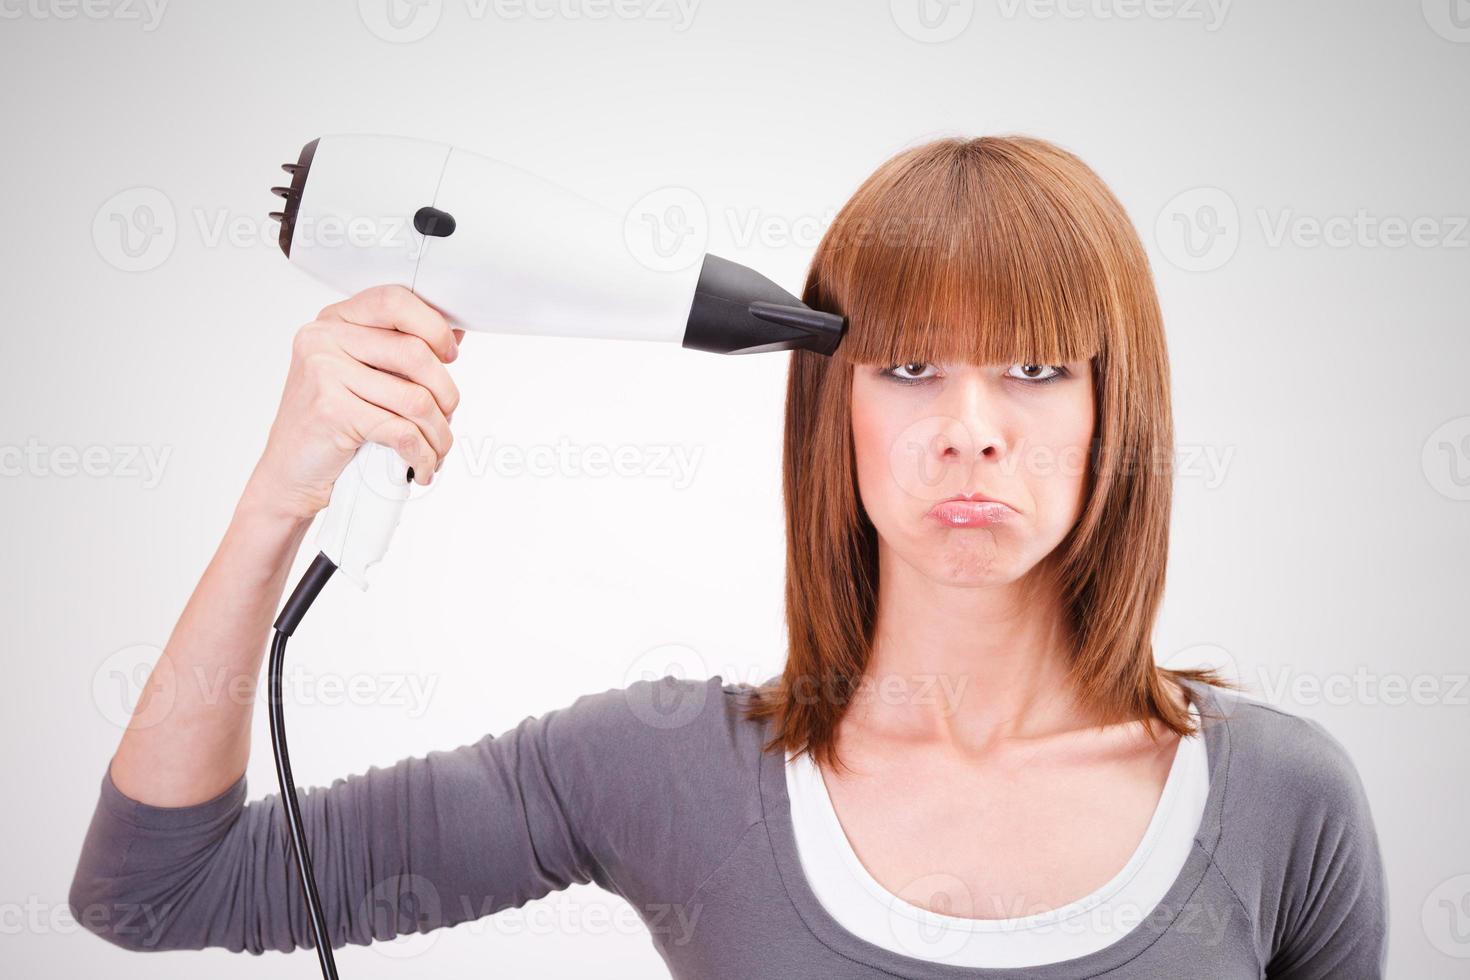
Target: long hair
996	249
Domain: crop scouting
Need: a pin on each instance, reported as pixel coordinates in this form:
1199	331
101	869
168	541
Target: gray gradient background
1325	545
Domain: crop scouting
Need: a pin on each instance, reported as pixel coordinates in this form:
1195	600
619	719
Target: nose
972	428
957	443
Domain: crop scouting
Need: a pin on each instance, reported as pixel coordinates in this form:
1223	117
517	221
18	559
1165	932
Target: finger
374	424
458	338
402	355
402	398
397	308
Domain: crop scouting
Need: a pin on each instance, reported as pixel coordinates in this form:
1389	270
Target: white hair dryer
496	248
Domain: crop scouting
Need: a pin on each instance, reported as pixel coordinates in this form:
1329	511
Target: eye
1029	373
913	367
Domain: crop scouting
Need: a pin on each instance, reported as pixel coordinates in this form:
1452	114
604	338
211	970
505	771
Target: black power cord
291	614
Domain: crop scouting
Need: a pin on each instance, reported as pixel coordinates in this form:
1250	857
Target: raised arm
370	368
602	790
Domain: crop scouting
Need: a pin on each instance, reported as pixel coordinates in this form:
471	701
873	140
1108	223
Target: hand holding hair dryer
496	248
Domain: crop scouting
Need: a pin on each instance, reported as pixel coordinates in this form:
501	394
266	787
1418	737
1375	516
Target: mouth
971	510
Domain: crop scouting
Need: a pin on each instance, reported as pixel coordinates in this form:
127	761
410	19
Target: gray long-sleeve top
660	793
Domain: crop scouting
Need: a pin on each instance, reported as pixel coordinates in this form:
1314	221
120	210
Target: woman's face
1014	433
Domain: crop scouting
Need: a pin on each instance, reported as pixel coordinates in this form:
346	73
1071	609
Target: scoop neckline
781	835
1101	895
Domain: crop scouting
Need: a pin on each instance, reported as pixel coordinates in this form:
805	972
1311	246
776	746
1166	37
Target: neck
966	665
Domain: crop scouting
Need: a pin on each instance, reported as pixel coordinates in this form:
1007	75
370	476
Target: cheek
876	428
1061	477
869	446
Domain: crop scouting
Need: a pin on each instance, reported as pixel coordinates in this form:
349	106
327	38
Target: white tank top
868	910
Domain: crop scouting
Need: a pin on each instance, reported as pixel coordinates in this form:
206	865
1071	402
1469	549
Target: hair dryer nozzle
737	310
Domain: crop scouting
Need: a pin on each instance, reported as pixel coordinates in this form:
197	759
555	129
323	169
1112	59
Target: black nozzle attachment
292	194
737	310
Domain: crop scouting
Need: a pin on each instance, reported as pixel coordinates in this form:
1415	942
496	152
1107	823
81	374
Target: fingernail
453	348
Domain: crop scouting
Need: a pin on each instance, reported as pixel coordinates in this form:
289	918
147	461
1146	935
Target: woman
970	766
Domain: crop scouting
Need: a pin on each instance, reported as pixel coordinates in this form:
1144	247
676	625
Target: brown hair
997	249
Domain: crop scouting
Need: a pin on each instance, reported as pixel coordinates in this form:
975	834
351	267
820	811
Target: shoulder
661	720
1296	838
1289	762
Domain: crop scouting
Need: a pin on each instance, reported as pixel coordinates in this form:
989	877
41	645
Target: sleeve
1335	922
424	843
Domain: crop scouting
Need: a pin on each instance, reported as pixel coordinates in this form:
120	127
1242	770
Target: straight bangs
966	257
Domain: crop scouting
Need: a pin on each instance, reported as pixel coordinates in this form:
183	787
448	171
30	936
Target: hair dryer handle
367	501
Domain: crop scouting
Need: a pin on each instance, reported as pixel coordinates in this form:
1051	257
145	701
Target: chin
970	558
972	569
